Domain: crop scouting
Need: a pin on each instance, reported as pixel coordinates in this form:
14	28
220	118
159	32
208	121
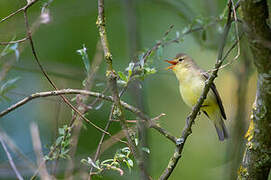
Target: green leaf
130	162
83	53
141	60
185	30
8	85
149	71
106	161
11	48
99	105
136	141
126	150
177	34
123	76
61	131
90	162
58	140
130	69
84	161
147	150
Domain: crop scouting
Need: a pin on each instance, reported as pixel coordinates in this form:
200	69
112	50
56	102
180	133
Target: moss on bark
257	157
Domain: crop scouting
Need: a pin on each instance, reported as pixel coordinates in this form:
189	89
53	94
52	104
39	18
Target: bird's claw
179	141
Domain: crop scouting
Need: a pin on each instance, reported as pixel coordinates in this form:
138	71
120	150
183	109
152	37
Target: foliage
5	87
61	147
122	156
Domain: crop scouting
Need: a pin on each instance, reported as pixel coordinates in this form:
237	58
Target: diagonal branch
18	175
28	5
14	42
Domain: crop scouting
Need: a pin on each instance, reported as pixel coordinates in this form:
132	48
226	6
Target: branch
28	5
93	94
112	81
48	78
18	175
14	42
195	110
38	151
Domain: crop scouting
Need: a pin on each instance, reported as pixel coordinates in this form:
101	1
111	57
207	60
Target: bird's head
181	60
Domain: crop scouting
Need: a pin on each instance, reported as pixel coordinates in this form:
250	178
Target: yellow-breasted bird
191	83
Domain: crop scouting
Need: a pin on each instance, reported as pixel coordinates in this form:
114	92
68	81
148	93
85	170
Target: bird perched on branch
191	83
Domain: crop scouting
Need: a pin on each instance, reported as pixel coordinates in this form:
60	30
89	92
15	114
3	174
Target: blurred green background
132	27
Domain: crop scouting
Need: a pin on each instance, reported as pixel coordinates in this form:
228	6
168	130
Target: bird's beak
173	62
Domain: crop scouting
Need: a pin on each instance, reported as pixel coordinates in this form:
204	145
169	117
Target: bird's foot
179	141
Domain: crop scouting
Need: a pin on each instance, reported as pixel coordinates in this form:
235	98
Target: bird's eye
180	59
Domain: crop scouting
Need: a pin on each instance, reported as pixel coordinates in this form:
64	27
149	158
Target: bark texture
256	162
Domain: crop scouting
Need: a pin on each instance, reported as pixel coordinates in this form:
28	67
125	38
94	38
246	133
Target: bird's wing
218	99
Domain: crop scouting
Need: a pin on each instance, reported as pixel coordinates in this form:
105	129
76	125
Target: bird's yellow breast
191	85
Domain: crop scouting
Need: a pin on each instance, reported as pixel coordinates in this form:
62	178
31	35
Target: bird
191	84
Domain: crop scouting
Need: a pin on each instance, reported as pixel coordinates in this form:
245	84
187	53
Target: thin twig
101	140
47	77
82	107
44	175
14	148
10	160
14	42
29	4
112	81
192	116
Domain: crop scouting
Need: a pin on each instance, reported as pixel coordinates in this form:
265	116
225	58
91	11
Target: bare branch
38	151
29	4
14	42
15	149
18	175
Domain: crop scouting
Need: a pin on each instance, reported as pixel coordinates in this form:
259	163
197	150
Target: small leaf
100	84
83	53
130	69
122	76
126	150
136	141
121	82
106	161
141	60
61	131
149	71
99	106
177	34
185	30
11	48
92	163
8	85
147	150
58	140
130	162
84	161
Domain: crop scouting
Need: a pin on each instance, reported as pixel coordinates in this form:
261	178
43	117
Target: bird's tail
221	129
